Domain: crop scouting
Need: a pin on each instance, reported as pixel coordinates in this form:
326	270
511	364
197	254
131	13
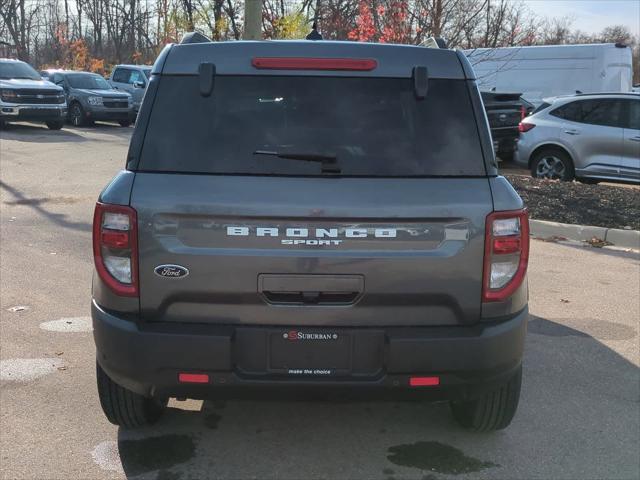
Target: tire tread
493	411
123	407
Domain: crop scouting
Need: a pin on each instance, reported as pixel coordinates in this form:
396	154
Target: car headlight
9	96
95	101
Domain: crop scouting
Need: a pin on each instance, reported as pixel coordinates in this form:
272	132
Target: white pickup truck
25	96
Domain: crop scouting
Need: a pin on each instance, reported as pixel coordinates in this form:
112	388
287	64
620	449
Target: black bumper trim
146	358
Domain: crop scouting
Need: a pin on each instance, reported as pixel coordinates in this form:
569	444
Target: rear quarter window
602	112
373	126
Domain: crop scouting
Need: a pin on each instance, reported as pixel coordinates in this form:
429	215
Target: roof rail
194	37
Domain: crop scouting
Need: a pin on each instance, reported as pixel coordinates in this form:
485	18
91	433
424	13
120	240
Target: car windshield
10	70
90	81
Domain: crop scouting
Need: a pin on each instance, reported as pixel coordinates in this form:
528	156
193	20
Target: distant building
7	50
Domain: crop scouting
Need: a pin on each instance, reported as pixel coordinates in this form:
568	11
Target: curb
618	237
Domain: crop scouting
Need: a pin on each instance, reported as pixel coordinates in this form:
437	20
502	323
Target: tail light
506	254
525	127
115	248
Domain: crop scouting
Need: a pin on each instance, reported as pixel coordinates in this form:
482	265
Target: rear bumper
147	358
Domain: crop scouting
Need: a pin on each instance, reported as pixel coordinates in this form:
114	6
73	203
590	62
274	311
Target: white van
550	71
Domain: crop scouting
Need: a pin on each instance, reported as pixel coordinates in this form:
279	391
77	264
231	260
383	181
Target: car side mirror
138	84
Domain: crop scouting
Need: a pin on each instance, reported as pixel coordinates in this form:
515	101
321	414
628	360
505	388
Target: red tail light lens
525	127
506	254
295	63
115	247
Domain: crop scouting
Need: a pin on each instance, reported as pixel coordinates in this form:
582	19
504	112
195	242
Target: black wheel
493	411
552	164
55	125
76	115
125	408
124	123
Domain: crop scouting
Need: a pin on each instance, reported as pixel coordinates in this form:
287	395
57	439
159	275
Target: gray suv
325	216
91	98
588	137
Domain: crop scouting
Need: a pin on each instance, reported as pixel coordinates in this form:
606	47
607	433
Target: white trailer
549	71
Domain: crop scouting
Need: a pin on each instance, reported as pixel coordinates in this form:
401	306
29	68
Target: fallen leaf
62	368
59	353
564	300
598	242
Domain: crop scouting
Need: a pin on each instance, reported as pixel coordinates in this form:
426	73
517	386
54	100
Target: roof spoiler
194	37
434	42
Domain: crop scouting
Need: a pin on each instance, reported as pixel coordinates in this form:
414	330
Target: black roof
234	58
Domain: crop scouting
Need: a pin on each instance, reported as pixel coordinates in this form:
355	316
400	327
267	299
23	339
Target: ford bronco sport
324	216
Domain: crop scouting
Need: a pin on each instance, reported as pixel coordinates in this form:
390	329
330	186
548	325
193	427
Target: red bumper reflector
193	378
301	63
424	381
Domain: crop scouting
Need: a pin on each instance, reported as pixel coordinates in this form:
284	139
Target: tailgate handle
310	289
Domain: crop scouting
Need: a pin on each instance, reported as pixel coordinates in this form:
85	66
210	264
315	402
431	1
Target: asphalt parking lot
579	416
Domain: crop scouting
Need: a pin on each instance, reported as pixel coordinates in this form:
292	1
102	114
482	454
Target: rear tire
553	164
493	411
125	408
55	125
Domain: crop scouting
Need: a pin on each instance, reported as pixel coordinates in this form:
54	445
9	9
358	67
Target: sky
591	16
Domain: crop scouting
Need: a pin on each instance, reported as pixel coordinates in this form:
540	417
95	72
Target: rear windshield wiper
329	162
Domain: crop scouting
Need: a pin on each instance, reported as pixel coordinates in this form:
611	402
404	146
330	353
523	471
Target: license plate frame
310	353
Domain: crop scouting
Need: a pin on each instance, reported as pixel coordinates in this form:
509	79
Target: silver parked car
132	79
587	137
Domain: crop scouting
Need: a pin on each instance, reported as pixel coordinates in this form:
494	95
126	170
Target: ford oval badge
171	271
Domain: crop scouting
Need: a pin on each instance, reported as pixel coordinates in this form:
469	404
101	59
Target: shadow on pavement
579	397
36	133
105	128
36	204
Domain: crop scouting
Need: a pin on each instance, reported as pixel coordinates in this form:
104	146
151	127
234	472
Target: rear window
371	126
542	106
